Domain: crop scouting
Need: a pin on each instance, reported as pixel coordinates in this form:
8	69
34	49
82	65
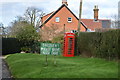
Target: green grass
33	66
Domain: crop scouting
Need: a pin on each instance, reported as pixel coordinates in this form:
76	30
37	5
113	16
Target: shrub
58	39
26	49
28	37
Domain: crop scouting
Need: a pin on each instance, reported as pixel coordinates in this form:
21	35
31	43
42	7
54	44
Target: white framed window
74	31
57	19
69	19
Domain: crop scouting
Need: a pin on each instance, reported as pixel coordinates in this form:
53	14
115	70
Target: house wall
64	13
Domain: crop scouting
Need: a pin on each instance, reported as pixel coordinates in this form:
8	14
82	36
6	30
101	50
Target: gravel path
4	70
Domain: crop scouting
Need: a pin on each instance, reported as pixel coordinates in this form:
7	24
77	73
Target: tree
21	18
27	36
33	15
24	27
25	33
49	32
1	29
115	21
16	27
4	30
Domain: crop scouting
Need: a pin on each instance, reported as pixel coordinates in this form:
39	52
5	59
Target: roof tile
91	24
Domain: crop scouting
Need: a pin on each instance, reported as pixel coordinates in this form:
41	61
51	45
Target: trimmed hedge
13	45
100	44
10	46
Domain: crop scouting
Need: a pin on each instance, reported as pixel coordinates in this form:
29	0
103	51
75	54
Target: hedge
100	44
10	45
13	45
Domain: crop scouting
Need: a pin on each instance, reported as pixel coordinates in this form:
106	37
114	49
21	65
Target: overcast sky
9	9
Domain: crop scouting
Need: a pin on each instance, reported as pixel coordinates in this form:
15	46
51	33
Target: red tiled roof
91	24
48	14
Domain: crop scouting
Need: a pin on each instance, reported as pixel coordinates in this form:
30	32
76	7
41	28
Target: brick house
63	16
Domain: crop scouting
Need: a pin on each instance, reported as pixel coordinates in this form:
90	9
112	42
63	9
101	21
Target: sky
9	9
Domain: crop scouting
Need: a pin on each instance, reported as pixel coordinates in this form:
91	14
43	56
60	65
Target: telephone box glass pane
70	45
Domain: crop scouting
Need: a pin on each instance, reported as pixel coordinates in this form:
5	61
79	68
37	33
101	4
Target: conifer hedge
10	46
100	44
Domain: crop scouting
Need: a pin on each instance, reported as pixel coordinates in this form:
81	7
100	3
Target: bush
35	48
58	39
26	49
100	44
28	37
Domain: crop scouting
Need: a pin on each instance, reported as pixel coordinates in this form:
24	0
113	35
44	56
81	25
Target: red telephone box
69	43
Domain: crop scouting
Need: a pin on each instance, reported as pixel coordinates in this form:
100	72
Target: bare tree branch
34	15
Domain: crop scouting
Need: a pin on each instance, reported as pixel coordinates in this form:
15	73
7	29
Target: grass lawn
33	66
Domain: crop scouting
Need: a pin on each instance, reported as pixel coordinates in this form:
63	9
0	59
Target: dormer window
69	19
57	19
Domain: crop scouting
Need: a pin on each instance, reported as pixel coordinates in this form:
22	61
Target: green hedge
100	44
13	45
10	46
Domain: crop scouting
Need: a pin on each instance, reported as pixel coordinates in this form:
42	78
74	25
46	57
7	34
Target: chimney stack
96	13
64	2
